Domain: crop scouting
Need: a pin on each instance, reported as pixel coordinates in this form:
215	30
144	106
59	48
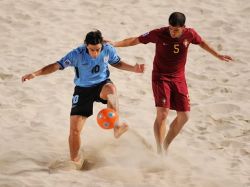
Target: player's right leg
160	127
82	108
76	125
161	92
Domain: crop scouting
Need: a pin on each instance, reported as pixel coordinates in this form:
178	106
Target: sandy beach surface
213	149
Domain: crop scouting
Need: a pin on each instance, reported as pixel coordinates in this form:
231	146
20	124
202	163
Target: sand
213	149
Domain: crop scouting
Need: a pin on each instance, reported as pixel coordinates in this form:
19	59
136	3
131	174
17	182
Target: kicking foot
119	130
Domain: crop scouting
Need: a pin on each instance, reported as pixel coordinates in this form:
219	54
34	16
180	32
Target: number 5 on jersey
176	48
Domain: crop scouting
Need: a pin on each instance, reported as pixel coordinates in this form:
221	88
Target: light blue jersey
90	71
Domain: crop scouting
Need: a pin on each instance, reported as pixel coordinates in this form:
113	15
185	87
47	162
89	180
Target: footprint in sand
141	139
63	165
4	76
245	152
89	160
222	108
16	163
139	60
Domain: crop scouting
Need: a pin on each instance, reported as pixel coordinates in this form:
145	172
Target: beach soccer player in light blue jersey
92	82
90	71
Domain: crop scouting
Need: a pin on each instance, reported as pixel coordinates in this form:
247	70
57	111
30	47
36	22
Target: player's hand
225	58
28	77
139	68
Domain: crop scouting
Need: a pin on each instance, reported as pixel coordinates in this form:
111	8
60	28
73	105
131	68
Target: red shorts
171	94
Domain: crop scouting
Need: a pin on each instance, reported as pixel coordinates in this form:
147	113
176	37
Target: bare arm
209	49
137	68
127	42
44	71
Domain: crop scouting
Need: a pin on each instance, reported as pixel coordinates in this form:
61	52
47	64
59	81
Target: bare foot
159	149
119	130
77	159
79	162
165	147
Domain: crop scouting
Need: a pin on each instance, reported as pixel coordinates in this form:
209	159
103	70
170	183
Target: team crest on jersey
163	100
67	63
185	42
106	58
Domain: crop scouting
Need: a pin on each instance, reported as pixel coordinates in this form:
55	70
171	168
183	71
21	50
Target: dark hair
177	19
94	37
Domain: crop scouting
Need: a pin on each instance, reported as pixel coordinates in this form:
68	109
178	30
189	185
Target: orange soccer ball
107	118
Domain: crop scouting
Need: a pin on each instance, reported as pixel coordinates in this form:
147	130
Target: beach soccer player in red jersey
168	75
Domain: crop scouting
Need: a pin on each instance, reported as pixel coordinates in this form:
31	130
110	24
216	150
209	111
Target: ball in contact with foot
107	118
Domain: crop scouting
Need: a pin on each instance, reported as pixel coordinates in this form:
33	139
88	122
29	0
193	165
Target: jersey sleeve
196	38
149	37
113	56
68	60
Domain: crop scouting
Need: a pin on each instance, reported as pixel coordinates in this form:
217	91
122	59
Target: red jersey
170	53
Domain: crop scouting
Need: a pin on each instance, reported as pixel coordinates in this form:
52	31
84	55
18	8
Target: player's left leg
181	103
175	128
109	93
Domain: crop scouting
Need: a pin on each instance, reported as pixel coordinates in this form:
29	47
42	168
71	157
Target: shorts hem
77	114
176	109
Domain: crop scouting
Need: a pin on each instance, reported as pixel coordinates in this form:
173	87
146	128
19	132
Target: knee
76	123
186	117
107	90
183	116
74	132
162	115
110	89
